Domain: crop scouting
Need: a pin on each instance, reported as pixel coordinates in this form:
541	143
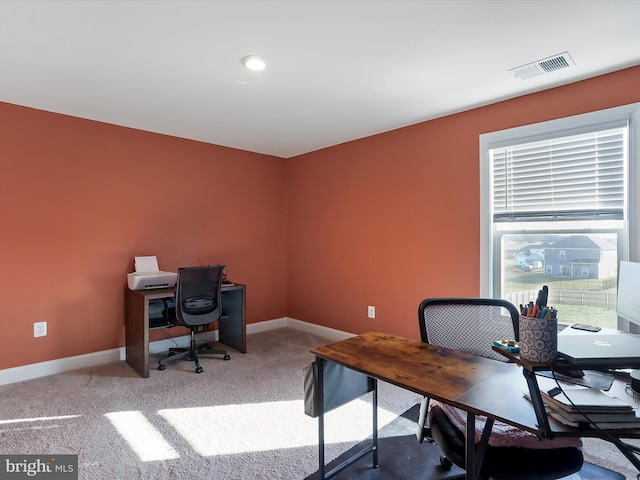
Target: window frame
628	245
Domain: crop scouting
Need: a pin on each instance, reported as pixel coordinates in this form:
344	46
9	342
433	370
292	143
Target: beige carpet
241	419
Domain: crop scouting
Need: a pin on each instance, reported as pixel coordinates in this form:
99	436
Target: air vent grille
554	64
546	65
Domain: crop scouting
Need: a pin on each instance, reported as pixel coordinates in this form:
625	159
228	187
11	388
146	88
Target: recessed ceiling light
253	62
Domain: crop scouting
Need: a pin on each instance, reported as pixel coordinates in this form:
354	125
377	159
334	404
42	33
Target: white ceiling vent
547	65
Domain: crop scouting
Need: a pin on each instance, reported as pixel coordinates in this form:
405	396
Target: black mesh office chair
471	325
198	304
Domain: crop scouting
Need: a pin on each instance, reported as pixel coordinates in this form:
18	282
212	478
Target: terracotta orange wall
387	220
392	219
81	198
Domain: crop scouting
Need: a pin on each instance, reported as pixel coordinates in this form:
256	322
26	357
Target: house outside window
559	207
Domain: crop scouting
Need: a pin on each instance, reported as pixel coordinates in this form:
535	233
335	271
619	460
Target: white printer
147	275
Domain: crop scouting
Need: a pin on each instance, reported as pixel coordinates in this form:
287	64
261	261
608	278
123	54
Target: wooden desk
477	385
232	326
465	381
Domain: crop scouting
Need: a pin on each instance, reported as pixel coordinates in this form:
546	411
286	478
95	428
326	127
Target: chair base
192	352
504	462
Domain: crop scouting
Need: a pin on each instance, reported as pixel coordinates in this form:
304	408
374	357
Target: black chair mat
404	458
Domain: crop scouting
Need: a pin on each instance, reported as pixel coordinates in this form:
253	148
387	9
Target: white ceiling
337	70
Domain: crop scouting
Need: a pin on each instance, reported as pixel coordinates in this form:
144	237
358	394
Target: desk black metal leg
470	447
374	401
536	400
475	454
372	448
320	386
481	449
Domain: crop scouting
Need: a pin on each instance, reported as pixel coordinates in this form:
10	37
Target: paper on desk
146	264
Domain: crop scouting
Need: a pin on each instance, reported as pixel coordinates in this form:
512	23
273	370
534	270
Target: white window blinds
576	177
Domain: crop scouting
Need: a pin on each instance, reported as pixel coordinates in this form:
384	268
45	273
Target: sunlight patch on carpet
143	438
255	427
37	419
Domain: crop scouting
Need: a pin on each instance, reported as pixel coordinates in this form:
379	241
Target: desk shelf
529	370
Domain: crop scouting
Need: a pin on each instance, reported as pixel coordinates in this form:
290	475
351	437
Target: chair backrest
468	325
198	295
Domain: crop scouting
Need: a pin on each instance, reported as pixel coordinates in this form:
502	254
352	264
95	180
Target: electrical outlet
40	329
371	311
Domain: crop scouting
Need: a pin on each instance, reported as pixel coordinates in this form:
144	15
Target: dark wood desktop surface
475	384
472	383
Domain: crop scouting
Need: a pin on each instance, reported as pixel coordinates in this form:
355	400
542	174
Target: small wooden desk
232	327
477	385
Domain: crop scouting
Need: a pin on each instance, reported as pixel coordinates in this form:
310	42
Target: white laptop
601	350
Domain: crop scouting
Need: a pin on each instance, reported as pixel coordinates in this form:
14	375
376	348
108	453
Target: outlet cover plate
40	329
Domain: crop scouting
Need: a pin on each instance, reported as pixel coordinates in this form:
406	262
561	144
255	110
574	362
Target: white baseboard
267	325
329	333
52	367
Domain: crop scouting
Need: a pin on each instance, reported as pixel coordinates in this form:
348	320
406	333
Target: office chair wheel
227	356
199	369
162	367
445	462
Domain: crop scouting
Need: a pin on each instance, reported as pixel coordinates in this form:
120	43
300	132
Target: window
559	207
